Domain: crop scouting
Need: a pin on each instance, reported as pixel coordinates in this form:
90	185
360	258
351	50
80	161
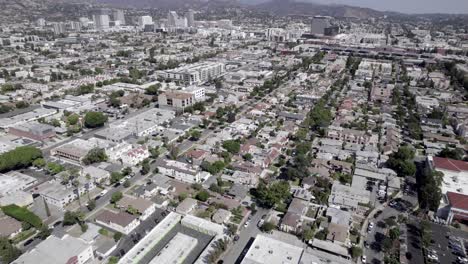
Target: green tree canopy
202	195
232	146
116	197
95	155
94	119
19	157
269	196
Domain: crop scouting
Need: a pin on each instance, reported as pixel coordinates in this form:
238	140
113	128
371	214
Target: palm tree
76	183
88	179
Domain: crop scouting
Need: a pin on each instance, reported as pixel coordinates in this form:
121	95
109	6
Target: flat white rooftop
145	245
271	251
176	251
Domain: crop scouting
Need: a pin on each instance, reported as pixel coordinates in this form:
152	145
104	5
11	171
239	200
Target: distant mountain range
290	7
27	9
279	7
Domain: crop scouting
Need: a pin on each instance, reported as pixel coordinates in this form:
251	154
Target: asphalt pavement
237	251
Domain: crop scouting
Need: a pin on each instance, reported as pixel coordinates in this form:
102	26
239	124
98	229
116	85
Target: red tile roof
450	164
458	200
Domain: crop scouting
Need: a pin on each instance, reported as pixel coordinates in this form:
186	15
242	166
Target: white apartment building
181	171
197	73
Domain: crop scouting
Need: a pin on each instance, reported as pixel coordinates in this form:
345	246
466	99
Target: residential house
122	222
142	207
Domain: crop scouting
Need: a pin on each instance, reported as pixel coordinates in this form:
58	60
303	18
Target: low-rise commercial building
33	130
267	250
56	250
197	73
14	181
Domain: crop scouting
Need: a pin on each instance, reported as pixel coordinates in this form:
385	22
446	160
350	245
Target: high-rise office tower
118	15
173	20
101	19
319	24
190	18
145	20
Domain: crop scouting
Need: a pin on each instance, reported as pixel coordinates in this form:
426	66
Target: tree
154	152
91	205
115	102
54	168
232	146
215	188
39	163
202	196
307	234
248	156
117	236
269	196
182	197
115	177
20	157
402	161
322	234
113	260
387	244
456	154
21	60
267	227
127	184
95	155
153	89
44	232
69	218
213	168
21	104
8	252
195	135
173	152
132	210
4	109
232	229
73	119
145	167
94	119
126	171
356	252
197	186
394	233
116	197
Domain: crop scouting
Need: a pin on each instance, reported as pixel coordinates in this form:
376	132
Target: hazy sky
406	6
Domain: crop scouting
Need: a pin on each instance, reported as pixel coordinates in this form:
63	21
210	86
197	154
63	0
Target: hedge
22	214
19	157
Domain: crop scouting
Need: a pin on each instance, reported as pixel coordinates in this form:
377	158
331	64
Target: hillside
289	7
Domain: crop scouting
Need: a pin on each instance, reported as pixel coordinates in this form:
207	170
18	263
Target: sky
406	6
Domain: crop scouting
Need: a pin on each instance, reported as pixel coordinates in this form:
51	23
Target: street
237	251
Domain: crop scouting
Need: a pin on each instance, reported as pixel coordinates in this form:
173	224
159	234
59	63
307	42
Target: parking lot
447	243
376	235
